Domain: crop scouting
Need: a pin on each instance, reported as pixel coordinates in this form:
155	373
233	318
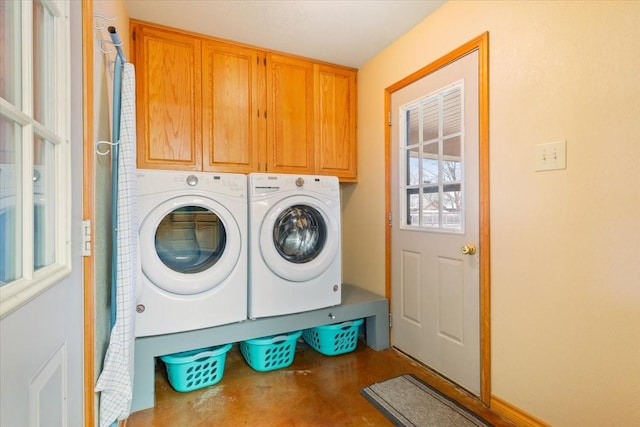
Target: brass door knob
469	249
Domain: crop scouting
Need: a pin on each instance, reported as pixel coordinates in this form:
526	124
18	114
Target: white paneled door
434	178
41	149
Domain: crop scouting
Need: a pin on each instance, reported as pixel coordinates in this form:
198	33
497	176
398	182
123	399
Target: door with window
41	305
434	172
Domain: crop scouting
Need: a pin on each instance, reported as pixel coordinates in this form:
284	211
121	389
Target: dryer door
189	244
299	238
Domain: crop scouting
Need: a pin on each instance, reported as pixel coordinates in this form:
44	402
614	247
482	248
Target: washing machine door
189	245
299	238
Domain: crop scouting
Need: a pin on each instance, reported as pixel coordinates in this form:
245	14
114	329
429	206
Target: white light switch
551	156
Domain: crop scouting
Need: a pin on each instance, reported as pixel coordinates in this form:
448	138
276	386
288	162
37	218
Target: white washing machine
295	251
193	251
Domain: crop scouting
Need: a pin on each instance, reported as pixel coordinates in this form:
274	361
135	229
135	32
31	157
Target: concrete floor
315	390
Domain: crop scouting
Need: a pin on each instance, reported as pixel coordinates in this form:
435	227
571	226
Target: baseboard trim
514	414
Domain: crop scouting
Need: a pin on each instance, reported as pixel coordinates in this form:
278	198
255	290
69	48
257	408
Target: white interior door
435	280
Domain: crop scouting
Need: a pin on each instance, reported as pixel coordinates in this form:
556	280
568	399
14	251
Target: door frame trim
88	212
481	45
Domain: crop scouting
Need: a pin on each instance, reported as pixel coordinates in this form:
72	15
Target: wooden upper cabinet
290	115
169	87
204	104
230	107
335	142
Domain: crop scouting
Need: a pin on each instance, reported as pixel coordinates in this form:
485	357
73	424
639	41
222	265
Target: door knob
469	249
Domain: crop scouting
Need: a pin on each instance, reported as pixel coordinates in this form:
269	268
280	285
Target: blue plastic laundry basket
335	339
194	369
270	353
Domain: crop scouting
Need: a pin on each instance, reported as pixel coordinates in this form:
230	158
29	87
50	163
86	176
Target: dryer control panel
158	181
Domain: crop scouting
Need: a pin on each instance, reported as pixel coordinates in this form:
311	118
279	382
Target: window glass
413	137
413	206
433	194
451	207
430	163
430	207
10	206
10	64
413	165
44	203
452	112
43	64
431	120
451	167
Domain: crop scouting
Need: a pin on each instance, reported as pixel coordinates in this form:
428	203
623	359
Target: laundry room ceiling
345	32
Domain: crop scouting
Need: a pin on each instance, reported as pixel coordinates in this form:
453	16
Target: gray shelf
357	303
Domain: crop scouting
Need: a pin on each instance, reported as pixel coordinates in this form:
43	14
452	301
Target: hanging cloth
116	380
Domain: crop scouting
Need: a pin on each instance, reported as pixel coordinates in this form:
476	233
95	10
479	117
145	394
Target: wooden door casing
481	44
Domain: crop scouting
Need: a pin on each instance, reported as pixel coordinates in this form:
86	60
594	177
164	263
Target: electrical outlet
551	156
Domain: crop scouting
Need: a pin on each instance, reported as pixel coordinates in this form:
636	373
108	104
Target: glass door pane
44	203
10	60
11	212
43	64
431	146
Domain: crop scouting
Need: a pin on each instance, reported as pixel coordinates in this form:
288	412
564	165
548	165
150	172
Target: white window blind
431	156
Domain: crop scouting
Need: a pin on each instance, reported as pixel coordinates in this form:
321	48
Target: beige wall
565	244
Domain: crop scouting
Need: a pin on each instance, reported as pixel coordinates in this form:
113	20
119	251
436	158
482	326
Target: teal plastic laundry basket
335	339
194	369
270	353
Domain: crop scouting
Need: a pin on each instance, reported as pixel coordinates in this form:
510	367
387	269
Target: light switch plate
551	156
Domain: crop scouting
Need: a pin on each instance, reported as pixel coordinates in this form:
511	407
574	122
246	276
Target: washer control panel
260	183
192	180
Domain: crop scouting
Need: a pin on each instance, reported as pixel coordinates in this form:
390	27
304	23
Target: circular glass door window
299	234
190	239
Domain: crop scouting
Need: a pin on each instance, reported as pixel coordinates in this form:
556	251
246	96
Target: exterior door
41	357
435	282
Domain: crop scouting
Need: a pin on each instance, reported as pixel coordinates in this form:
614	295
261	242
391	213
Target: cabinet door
335	142
168	90
229	108
290	115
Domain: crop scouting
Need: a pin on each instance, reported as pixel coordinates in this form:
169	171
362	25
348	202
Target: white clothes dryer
193	251
295	251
